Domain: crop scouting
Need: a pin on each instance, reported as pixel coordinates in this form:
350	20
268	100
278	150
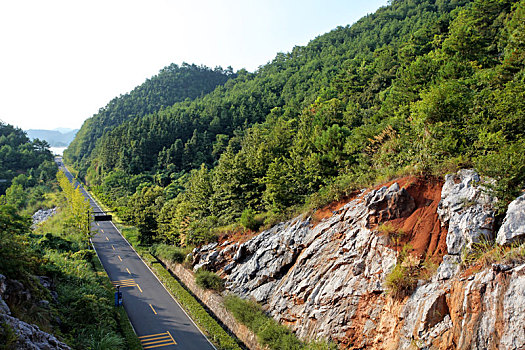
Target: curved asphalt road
157	318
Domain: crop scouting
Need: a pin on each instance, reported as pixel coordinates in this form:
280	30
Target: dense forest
172	84
420	86
23	164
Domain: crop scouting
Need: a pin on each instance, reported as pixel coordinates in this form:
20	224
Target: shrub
170	253
8	337
209	280
269	332
507	167
402	280
249	221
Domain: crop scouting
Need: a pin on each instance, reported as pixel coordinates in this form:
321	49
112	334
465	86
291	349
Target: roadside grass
217	335
84	291
269	332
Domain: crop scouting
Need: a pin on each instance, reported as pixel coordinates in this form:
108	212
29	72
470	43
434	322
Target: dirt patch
236	236
421	228
328	210
359	321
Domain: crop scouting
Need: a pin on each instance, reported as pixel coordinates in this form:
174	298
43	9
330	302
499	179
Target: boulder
513	227
467	210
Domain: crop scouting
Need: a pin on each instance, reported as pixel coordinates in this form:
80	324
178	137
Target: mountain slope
418	87
173	83
199	131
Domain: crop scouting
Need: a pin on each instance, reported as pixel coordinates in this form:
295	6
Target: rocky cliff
329	279
17	334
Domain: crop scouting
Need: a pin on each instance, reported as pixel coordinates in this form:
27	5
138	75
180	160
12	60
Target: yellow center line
112	247
171	337
157	346
119	257
128	270
149	336
102	230
139	288
156	340
151	306
107	239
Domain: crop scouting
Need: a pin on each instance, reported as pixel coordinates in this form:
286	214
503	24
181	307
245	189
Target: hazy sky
60	61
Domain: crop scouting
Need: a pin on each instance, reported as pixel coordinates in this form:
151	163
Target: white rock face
513	227
30	337
467	210
42	215
327	280
313	277
514	312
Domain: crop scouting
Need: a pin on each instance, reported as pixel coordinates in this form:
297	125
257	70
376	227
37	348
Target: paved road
156	317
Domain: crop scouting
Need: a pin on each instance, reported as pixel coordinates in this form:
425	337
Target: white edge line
154	274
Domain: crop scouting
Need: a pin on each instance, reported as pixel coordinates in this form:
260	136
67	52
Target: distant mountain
64	130
55	138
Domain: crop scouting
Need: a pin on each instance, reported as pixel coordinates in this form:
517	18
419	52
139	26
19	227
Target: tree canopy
423	86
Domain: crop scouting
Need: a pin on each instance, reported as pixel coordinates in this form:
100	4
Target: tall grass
269	332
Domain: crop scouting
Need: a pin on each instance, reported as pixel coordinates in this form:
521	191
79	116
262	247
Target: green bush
249	221
169	253
402	280
507	167
8	337
209	280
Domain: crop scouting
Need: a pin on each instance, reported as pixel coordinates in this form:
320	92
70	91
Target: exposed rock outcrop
513	227
42	215
328	279
28	336
467	210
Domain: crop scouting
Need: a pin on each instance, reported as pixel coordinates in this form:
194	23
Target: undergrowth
269	332
409	269
209	280
487	252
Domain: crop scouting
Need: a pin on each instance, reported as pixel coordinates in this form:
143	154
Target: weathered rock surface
29	337
42	215
327	280
466	209
513	227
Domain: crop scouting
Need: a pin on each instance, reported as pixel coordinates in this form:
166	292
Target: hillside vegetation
417	87
23	163
173	84
53	278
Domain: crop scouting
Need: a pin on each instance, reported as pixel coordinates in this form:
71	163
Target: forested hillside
417	87
173	84
27	162
49	276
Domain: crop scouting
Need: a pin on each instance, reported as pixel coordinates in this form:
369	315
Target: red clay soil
238	236
422	228
328	210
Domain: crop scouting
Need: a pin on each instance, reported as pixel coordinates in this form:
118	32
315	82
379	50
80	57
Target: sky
63	60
